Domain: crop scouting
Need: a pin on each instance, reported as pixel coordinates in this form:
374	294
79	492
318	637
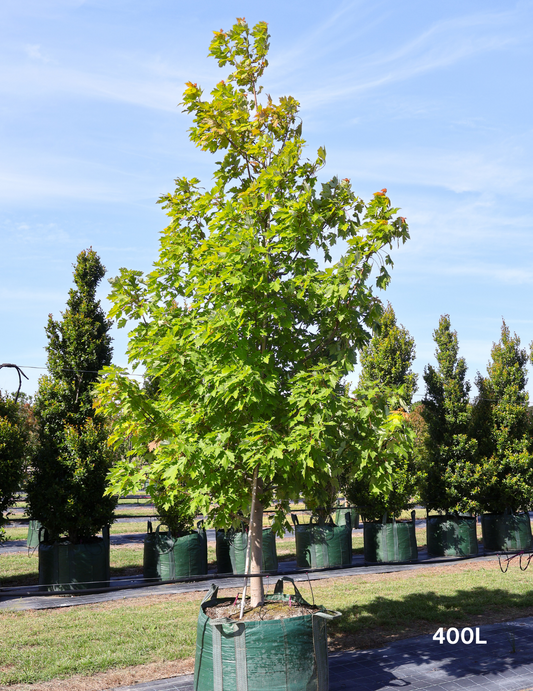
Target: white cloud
34	52
52	79
17	186
444	44
457	171
22	233
499	273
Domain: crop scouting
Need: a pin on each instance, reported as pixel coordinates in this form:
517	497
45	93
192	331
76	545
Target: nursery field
153	637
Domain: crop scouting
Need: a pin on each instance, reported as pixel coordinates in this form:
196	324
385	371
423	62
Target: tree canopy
246	320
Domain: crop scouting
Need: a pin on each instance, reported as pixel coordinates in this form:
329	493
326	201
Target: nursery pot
390	542
278	654
340	516
322	545
238	543
166	557
66	566
451	536
506	531
222	551
32	541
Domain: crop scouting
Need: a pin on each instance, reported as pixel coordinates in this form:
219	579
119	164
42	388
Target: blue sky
431	100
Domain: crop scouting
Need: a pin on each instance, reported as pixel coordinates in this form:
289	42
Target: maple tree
247	322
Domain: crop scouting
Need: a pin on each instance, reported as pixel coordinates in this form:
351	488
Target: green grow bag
323	545
167	557
238	542
451	536
390	542
222	551
65	566
274	655
32	541
506	531
340	516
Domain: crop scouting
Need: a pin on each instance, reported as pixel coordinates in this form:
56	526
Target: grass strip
377	609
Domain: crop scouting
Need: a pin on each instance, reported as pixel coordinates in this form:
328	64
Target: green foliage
245	321
386	364
503	429
448	466
359	487
387	360
174	507
14	435
72	459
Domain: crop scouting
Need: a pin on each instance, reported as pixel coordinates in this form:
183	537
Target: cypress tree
66	489
388	358
503	429
448	460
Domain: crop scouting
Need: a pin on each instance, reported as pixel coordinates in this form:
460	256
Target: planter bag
506	532
323	545
390	542
222	551
64	566
238	543
272	655
451	536
32	541
340	516
167	558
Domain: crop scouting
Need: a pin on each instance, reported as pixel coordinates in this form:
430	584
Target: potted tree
180	551
322	542
251	327
447	459
386	539
386	365
66	489
502	425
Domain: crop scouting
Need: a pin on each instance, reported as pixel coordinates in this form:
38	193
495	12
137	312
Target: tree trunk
255	537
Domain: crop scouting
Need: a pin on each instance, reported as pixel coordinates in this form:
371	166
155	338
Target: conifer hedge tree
502	425
245	319
448	468
72	460
386	364
388	358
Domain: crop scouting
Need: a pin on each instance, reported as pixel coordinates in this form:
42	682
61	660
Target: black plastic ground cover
230	580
